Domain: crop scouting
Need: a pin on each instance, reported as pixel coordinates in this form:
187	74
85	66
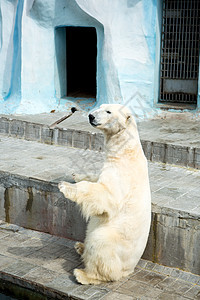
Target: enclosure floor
45	263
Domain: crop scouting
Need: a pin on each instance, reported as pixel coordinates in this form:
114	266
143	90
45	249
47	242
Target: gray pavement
46	162
45	263
181	129
172	187
29	169
170	139
29	197
176	129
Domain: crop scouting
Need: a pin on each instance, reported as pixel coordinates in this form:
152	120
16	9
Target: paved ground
176	129
45	263
173	139
172	187
173	128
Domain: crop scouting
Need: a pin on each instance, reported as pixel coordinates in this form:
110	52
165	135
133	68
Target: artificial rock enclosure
39	39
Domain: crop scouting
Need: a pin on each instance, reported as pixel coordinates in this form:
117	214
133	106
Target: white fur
118	205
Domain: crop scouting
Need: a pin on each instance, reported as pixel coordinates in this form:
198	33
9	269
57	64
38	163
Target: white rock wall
126	35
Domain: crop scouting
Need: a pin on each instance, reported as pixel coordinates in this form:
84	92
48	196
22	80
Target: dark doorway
180	51
81	47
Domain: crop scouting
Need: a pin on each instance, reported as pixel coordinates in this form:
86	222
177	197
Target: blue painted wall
32	50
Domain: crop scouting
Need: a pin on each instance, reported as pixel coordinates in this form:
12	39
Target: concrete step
29	197
173	140
36	265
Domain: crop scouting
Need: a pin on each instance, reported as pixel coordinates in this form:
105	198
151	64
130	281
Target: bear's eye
108	112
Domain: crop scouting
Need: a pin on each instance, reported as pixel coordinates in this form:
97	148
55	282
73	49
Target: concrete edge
58	136
172	154
174	235
75	290
8	179
172	212
156	152
31	286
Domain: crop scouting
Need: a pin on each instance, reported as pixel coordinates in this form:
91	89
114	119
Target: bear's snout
91	118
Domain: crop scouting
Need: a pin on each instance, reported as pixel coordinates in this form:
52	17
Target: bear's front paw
61	187
68	189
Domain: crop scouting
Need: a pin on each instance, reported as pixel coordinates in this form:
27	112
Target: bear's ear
128	118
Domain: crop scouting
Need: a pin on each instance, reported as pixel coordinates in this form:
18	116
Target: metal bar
197	40
177	45
190	38
163	59
198	37
179	49
182	43
171	32
167	26
185	41
193	43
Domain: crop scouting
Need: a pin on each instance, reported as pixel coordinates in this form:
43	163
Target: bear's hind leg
84	278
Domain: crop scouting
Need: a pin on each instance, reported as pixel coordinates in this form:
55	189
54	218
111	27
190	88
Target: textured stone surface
30	171
45	263
169	140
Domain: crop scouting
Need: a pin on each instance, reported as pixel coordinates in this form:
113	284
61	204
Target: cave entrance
81	57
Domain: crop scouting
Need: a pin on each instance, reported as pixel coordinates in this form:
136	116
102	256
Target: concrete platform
29	197
172	138
43	264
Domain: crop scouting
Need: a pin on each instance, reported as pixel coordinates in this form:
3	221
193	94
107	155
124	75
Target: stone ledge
36	204
44	264
29	197
69	134
172	154
58	136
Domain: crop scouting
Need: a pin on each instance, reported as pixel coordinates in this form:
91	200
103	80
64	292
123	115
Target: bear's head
111	118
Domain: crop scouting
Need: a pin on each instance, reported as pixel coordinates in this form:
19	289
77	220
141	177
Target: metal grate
180	51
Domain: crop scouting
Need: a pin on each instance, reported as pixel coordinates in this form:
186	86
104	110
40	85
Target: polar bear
117	205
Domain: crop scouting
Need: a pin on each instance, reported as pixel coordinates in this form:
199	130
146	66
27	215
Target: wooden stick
73	109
